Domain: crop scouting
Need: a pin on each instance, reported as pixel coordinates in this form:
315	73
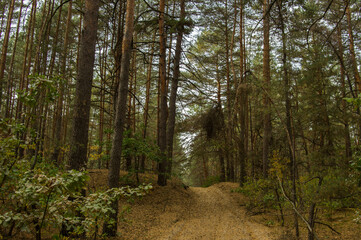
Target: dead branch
325	224
296	210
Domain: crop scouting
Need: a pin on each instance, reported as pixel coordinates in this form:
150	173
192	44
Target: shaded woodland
262	93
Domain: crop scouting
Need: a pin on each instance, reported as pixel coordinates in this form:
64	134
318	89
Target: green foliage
261	195
356	163
177	25
38	198
40	86
355	101
338	191
47	198
137	146
211	180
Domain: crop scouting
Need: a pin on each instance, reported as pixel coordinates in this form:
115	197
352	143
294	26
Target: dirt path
215	215
198	213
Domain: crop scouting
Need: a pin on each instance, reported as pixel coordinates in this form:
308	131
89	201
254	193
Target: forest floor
173	212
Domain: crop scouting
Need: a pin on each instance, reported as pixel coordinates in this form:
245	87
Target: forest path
172	213
215	215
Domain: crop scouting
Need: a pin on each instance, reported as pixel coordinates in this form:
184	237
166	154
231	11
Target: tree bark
59	109
243	105
291	146
174	87
162	165
267	127
222	172
80	125
348	150
352	51
120	117
5	50
147	99
9	95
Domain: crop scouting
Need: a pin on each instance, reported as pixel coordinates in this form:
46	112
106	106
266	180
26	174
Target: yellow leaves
65	148
278	165
94	153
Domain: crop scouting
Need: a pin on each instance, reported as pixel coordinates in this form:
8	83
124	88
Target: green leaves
355	101
46	197
40	86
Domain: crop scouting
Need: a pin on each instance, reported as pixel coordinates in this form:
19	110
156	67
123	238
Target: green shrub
261	195
46	198
211	180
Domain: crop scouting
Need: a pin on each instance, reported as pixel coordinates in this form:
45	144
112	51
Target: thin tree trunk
173	92
41	35
147	99
267	127
120	118
228	137
354	63
291	150
352	50
9	99
222	171
5	50
23	82
243	105
59	110
162	165
55	41
102	64
348	150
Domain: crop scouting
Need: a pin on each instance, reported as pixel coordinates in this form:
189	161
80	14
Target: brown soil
172	212
196	213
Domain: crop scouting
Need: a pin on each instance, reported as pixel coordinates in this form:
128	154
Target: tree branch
296	210
325	224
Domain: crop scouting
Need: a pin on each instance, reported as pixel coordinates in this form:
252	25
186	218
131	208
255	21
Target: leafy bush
46	198
211	180
40	200
338	191
261	195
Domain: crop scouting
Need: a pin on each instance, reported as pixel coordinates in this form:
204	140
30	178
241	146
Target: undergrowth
41	199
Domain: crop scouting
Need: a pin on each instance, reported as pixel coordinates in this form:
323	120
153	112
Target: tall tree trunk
103	69
174	87
291	145
222	172
41	37
162	165
233	113
5	50
27	56
9	93
243	105
348	150
352	50
59	109
120	117
55	41
228	138
354	62
267	127
80	125
147	99
118	52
